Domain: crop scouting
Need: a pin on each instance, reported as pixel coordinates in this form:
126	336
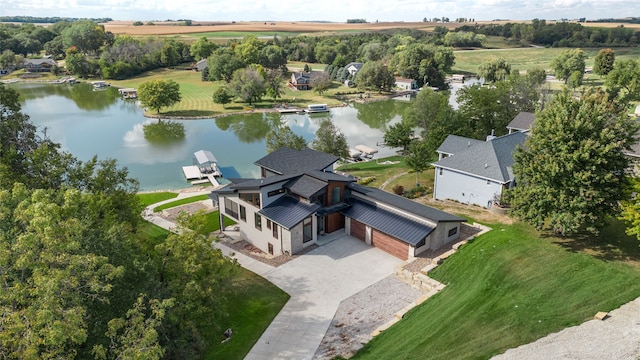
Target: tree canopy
603	62
571	171
282	136
492	70
375	75
624	79
329	139
248	85
157	94
399	135
569	62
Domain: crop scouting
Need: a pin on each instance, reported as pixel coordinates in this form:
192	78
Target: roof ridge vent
486	165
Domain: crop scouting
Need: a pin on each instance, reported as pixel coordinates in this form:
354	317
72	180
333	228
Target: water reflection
104	125
81	94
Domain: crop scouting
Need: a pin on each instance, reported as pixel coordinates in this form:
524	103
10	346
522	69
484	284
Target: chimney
492	136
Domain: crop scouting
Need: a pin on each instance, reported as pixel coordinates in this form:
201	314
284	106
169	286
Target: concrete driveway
317	282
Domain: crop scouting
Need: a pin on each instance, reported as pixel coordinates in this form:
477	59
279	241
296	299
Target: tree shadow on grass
612	244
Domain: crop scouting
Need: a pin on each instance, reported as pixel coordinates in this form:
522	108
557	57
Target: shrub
367	180
398	189
137	23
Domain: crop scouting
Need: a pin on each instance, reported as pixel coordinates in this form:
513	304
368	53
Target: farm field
524	59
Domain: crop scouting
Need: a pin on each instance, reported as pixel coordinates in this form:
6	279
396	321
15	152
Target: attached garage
390	244
358	230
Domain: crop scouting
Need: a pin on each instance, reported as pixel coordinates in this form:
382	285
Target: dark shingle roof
454	144
329	176
305	186
407	230
492	159
258	183
287	161
522	121
288	211
404	204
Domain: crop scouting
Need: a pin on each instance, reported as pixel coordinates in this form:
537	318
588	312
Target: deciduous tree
571	171
222	64
281	136
418	157
399	135
568	62
375	75
329	139
493	70
624	79
222	96
603	62
157	94
248	85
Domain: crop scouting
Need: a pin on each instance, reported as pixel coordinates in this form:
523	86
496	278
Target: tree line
559	34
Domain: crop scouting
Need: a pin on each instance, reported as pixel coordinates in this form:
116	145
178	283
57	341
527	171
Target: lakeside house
39	65
299	199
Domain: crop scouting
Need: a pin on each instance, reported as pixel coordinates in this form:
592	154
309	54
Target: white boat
316	108
367	152
128	93
99	85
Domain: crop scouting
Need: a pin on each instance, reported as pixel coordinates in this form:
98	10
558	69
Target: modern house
353	68
406	84
522	122
299	199
475	172
39	65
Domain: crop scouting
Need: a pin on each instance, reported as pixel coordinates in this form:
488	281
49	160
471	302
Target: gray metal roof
492	159
522	121
454	144
305	186
402	228
287	161
204	157
288	211
405	204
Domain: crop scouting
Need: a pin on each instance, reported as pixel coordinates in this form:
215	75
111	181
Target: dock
366	151
204	169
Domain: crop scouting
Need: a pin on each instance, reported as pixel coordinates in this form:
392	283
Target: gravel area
255	253
615	337
359	315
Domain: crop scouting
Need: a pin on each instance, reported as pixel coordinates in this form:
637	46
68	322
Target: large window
243	213
274	229
275	192
335	195
230	208
251	198
307	230
258	221
453	231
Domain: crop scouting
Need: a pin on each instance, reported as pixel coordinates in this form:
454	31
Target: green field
523	59
510	287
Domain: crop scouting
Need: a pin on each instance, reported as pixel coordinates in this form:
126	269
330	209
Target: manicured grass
197	94
213	221
408	181
147	199
376	168
512	286
251	308
183	201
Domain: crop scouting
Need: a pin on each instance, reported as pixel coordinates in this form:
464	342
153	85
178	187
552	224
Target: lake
88	123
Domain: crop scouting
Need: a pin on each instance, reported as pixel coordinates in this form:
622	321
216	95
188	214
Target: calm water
88	123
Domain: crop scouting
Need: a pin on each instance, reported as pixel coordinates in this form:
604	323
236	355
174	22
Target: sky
325	10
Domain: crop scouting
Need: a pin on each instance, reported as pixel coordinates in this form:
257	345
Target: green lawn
250	311
510	287
376	169
183	201
197	94
147	199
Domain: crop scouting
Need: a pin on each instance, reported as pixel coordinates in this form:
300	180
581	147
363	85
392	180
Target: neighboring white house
475	172
299	199
406	84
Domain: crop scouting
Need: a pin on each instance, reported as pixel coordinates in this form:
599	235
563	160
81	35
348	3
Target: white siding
266	199
465	188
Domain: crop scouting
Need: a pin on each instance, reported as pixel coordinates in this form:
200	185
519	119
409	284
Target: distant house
475	172
522	122
353	67
200	65
304	80
39	65
301	80
299	199
406	84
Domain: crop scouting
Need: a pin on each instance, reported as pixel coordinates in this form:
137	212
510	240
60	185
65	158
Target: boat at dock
99	85
128	93
367	152
204	169
316	108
